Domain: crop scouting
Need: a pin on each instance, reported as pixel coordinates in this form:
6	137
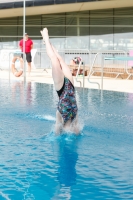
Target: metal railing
129	74
90	60
97	64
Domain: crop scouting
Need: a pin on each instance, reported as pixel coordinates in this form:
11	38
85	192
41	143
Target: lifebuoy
14	70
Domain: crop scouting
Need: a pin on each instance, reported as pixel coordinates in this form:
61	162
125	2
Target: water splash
33	116
45	117
66	136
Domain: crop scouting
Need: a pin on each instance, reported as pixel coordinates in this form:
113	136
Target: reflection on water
22	92
67	157
67	165
130	97
17	87
29	93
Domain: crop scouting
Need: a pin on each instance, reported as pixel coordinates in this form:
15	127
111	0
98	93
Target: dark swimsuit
67	105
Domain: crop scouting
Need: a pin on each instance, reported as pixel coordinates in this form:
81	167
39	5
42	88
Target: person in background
75	61
28	47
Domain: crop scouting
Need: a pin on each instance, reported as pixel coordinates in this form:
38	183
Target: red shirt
28	44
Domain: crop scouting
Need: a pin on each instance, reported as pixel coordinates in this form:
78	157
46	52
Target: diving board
122	58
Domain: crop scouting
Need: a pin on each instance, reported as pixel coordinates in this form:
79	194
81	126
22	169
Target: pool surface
37	165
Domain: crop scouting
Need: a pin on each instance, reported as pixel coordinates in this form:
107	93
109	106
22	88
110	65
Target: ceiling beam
62	8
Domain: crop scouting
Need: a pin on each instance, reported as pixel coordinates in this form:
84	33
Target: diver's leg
73	126
58	124
66	70
57	73
76	126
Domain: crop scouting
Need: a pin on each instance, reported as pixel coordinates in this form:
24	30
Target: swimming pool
36	164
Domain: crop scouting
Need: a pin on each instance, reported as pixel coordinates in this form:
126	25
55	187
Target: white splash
45	117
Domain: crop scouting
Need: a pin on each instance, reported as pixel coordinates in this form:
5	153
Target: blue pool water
37	165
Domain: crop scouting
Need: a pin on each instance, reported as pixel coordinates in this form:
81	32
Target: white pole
24	64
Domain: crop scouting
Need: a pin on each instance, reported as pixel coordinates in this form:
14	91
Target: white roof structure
15	7
10	1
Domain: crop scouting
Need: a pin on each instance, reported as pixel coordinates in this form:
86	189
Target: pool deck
38	75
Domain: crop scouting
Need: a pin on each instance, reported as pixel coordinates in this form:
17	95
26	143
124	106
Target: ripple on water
36	164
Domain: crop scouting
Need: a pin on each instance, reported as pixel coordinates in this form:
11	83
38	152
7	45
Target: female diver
66	114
